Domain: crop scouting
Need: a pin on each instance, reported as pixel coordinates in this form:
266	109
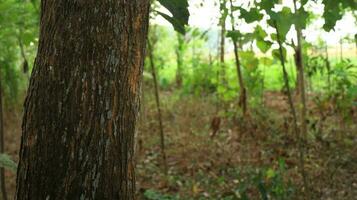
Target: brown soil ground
201	167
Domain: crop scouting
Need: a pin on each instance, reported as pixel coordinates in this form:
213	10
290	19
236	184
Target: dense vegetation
247	109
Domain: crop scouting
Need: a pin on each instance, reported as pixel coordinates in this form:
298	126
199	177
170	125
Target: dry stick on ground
303	108
291	105
157	98
243	95
2	172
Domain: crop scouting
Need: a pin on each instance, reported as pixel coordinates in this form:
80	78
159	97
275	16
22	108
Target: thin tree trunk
303	108
356	42
341	49
328	68
291	103
25	65
243	90
286	82
263	84
157	99
83	101
179	60
221	73
222	45
297	83
2	144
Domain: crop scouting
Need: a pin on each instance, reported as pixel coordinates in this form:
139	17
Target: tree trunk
2	144
179	59
328	68
83	101
157	99
296	62
341	49
303	107
243	91
223	39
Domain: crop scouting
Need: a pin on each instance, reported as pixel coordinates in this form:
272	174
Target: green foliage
251	16
344	85
202	81
7	163
18	25
179	11
334	11
252	75
234	35
301	18
276	54
267	5
270	183
316	65
283	20
224	11
260	35
155	195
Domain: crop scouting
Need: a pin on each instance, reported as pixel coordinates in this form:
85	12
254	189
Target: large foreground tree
83	99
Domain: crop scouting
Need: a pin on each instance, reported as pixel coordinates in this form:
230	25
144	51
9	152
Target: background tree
243	103
2	172
152	41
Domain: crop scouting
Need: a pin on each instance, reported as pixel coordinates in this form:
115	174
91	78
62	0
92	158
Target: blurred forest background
227	111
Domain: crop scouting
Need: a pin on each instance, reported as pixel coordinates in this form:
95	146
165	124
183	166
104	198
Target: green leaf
334	11
276	54
7	163
270	173
249	60
260	35
303	2
264	45
178	26
179	11
234	35
267	4
283	19
260	32
266	61
250	16
301	18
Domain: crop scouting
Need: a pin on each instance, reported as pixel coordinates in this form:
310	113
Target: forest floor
248	159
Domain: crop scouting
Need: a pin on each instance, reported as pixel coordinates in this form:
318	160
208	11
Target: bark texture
83	101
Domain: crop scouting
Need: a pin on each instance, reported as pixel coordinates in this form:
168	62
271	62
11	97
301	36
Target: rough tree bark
83	100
